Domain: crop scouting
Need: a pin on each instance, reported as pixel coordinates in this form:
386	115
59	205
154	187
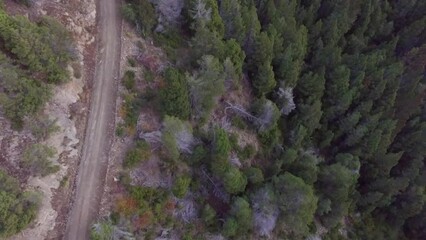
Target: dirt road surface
94	158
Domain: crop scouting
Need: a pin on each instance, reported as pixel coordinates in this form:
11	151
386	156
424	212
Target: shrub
242	213
254	175
131	61
176	137
221	144
148	75
247	152
36	158
140	13
105	229
131	107
233	140
119	130
220	152
169	41
180	188
234	181
230	227
139	153
270	139
199	154
290	155
42	127
208	215
129	80
77	70
147	197
18	209
126	206
239	122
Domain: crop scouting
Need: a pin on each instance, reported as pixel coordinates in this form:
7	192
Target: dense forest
333	93
281	119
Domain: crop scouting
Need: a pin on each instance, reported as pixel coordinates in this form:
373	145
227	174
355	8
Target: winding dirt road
94	159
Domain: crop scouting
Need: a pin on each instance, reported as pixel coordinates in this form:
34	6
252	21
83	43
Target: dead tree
286	98
265	119
151	137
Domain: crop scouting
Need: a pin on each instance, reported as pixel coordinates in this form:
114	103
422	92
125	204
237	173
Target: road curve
94	158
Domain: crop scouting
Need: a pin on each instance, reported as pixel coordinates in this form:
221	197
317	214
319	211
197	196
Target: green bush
233	140
199	154
290	155
221	144
42	127
148	75
234	181
131	61
132	105
180	188
150	199
129	80
270	139
254	175
141	152
220	152
18	209
119	130
239	122
140	13
170	41
36	158
247	152
243	214
208	215
230	227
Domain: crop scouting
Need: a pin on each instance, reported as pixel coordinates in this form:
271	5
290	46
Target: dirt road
93	163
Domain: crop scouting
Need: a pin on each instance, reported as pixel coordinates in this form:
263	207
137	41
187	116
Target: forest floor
100	125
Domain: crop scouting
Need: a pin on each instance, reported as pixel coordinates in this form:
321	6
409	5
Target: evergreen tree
297	203
174	96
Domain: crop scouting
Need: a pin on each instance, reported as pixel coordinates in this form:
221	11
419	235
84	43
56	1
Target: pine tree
174	96
230	11
297	203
